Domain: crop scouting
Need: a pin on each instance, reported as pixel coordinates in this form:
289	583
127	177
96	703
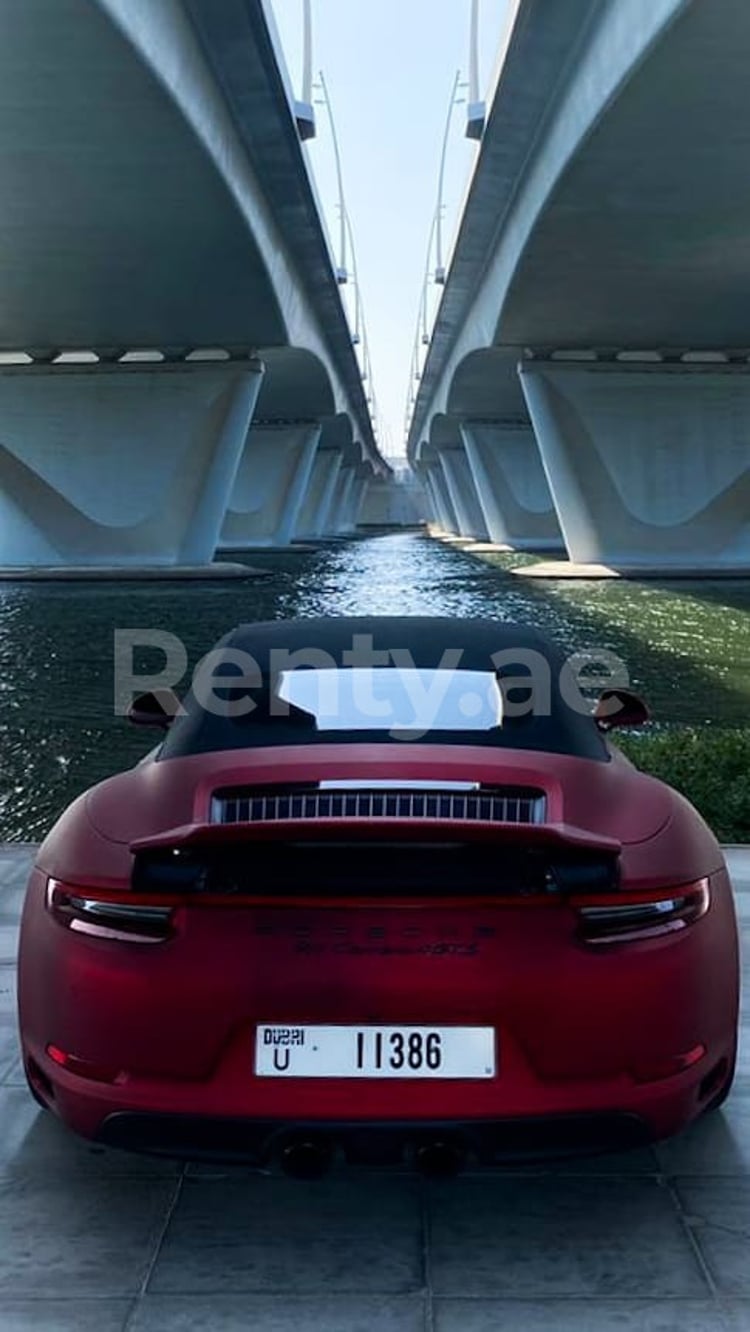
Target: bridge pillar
117	467
271	484
433	515
511	485
361	486
463	493
317	503
423	482
648	466
339	521
446	515
351	504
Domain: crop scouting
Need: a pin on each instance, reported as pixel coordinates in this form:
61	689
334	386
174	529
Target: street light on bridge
346	253
476	111
440	210
342	268
303	109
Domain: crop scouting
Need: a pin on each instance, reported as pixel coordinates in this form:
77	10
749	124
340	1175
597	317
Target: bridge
587	386
176	369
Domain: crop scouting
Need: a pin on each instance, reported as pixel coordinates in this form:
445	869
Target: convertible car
383	892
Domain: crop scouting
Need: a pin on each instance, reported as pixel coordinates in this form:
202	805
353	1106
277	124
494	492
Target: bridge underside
119	467
648	468
643	241
493	486
620	290
116	228
298	447
294	483
136	222
134	464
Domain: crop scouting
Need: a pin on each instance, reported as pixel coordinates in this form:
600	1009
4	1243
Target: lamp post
423	321
422	335
439	259
347	249
357	330
476	116
476	111
342	272
303	110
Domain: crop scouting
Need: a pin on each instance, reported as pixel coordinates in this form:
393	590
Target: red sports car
384	888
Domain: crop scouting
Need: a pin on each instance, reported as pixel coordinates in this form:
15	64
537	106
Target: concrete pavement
100	1241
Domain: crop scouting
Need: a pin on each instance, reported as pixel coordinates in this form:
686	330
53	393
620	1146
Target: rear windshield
387	699
428	705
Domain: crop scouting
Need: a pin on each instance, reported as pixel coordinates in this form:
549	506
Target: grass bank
710	767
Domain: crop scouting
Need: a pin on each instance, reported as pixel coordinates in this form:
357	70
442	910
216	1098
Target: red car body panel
580	1029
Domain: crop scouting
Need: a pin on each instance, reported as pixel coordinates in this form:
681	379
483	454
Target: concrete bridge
587	384
177	370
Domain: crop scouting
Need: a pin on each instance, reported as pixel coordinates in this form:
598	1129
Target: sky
389	66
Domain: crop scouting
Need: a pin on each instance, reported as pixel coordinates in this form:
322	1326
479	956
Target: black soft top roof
426	638
561	730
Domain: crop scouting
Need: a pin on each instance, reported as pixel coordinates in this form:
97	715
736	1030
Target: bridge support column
446	515
433	512
351	507
272	480
430	506
316	505
339	522
462	490
104	467
648	467
511	485
358	498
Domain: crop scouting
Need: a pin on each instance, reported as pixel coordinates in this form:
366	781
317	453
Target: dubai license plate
374	1052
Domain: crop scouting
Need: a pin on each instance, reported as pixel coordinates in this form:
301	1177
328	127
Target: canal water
686	645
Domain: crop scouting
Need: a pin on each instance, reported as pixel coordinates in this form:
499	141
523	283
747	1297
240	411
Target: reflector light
650	918
669	1068
84	1068
123	921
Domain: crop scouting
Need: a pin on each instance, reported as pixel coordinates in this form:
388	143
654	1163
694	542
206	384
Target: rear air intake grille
490	806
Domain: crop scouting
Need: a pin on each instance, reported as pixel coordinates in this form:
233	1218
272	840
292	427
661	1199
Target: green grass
710	767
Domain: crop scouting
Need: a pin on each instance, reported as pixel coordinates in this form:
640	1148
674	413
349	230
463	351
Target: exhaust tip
306	1158
440	1159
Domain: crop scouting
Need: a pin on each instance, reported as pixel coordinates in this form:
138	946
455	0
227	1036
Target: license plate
375	1052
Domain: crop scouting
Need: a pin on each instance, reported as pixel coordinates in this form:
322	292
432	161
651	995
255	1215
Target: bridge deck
102	1241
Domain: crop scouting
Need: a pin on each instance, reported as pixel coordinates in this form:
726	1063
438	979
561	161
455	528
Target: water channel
686	645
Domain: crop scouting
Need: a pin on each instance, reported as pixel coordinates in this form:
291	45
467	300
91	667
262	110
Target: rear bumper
489	1142
216	1119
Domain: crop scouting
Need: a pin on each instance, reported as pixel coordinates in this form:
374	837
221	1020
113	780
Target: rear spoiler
294	831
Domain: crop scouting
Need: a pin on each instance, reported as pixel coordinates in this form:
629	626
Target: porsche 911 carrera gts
384	891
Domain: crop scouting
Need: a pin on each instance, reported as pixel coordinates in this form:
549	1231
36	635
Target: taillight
649	918
106	919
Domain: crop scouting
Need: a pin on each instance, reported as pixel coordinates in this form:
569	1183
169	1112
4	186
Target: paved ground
97	1241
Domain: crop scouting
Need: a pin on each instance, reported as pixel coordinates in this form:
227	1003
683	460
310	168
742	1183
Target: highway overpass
587	384
177	370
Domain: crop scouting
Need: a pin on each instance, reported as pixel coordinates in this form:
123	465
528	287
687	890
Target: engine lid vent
479	804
